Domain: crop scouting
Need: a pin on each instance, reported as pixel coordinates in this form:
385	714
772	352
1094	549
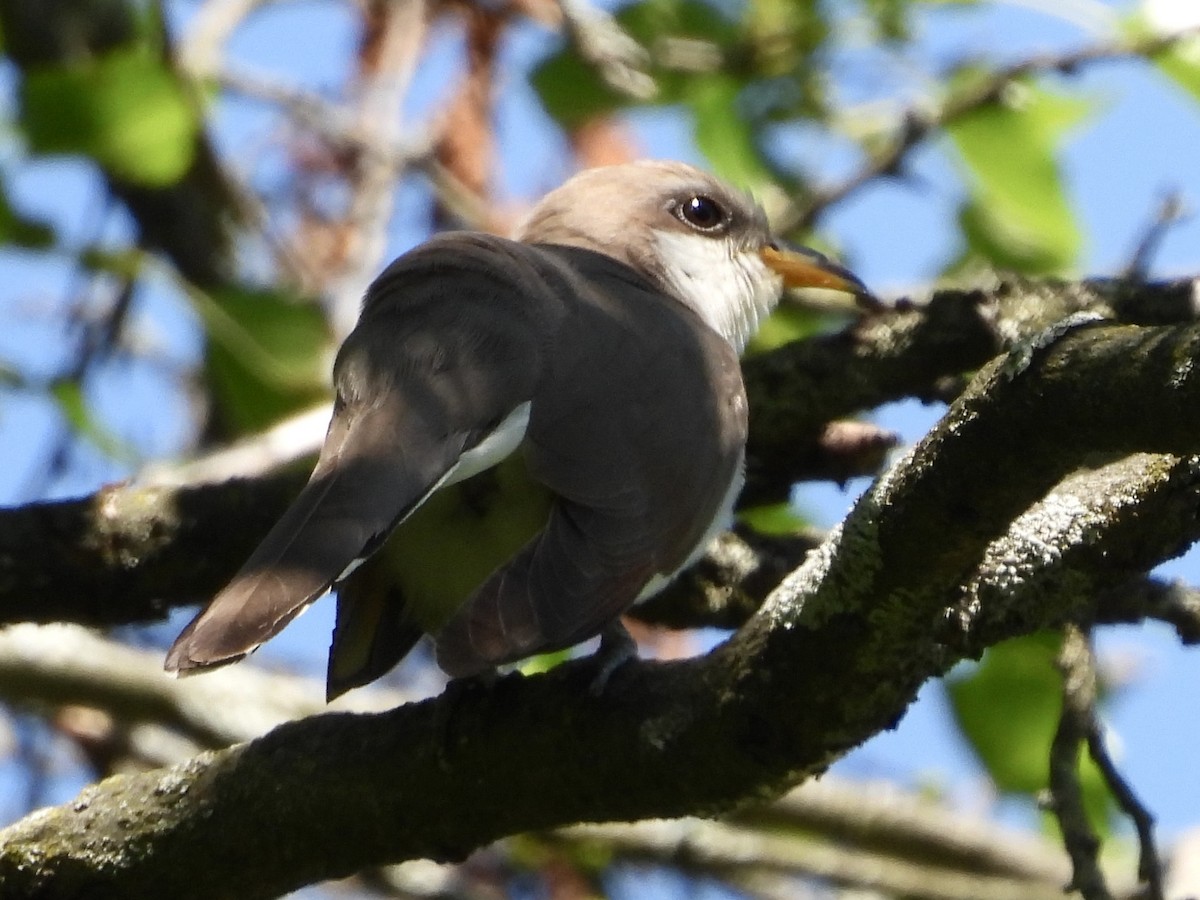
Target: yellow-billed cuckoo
603	342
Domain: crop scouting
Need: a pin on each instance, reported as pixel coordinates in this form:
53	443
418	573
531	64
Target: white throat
730	288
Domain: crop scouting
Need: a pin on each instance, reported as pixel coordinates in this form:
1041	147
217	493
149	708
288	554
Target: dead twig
1170	212
1078	669
1079	725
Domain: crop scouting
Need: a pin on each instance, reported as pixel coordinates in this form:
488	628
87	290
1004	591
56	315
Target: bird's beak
805	268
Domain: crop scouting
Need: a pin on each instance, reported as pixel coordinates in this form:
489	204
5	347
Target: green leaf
725	137
787	324
652	20
126	110
267	354
1007	707
1181	63
774	518
891	18
68	395
21	230
1019	214
572	91
993	237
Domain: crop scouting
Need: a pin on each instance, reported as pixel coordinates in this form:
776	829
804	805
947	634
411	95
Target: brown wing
638	426
448	345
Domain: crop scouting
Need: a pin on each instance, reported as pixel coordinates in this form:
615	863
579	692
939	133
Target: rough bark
130	552
835	655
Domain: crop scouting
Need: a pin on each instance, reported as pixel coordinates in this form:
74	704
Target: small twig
1173	602
724	850
334	125
211	27
1171	211
917	124
1149	865
98	336
884	817
389	49
58	665
1078	725
1077	665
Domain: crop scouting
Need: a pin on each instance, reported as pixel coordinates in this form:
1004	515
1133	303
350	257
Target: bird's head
698	239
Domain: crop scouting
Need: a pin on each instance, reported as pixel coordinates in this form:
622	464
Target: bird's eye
702	213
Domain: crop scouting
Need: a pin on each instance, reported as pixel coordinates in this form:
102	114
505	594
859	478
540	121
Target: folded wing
448	346
638	428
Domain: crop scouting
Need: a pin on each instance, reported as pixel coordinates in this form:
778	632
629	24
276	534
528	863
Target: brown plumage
604	342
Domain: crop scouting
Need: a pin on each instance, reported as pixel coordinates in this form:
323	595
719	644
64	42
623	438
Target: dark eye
702	213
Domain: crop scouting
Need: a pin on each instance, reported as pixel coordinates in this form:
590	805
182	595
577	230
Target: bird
592	361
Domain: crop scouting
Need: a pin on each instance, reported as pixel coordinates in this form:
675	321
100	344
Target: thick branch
58	665
909	351
858	628
127	553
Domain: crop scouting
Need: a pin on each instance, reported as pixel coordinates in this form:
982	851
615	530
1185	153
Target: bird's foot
616	648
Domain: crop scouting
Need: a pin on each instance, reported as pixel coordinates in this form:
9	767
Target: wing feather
447	348
638	428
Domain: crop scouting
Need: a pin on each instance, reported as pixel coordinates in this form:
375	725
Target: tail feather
365	482
373	631
306	551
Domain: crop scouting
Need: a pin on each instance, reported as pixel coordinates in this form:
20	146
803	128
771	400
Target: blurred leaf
126	110
890	17
784	34
993	238
1019	215
572	91
21	230
543	662
1181	64
775	518
652	20
124	262
787	324
725	137
267	355
1007	708
68	395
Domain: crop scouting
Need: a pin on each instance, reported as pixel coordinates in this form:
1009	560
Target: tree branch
895	831
130	552
857	628
61	665
910	351
1066	792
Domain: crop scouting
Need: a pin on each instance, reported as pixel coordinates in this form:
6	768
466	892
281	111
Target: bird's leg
617	647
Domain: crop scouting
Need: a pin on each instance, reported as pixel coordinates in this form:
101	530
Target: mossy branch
854	632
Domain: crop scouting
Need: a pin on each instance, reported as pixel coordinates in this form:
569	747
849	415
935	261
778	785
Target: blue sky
897	235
